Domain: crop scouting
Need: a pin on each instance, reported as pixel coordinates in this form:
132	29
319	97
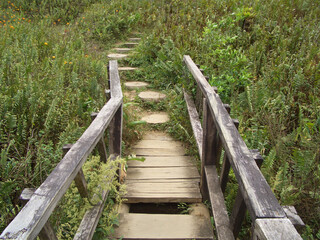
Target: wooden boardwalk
167	174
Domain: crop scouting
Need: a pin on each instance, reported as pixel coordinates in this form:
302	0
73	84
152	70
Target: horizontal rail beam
257	194
30	220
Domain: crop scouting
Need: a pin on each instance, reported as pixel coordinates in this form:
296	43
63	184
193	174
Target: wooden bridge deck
166	175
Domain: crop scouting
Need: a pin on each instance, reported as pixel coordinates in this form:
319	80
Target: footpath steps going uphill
167	175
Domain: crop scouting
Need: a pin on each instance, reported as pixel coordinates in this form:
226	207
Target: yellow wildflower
53	57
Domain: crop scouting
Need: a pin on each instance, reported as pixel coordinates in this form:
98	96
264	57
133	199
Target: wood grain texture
79	179
274	229
195	121
257	194
219	209
47	232
178	151
162	226
164	161
155	135
157	144
239	208
163	173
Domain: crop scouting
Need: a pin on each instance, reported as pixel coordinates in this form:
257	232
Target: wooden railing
32	220
218	131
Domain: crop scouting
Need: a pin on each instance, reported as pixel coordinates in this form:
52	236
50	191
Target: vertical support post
115	133
211	148
239	208
101	146
225	169
79	180
47	232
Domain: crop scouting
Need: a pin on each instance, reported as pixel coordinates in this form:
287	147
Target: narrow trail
166	176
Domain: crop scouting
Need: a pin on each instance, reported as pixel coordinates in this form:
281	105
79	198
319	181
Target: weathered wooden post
101	146
79	179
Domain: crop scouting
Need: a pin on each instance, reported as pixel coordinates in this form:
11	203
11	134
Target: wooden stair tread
157	144
155	135
163	226
163	173
162	161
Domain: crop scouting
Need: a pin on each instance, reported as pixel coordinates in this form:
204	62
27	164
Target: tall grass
52	76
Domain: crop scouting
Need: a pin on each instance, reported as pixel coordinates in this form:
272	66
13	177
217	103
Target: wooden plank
157	144
169	180
47	232
161	185
239	208
195	121
79	179
166	161
163	226
161	189
219	209
115	129
162	136
293	216
274	229
179	151
225	169
259	198
163	173
101	146
30	220
163	198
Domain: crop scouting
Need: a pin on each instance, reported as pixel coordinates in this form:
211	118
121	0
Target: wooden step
163	226
162	162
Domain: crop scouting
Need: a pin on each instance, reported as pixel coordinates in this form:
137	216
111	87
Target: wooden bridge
167	175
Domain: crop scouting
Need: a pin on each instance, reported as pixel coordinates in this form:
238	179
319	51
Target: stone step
156	118
136	85
163	226
127	68
117	56
122	50
151	96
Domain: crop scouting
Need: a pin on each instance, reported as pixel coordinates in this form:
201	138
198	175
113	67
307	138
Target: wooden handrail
31	219
219	131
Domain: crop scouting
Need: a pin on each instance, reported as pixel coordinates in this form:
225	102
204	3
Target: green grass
262	55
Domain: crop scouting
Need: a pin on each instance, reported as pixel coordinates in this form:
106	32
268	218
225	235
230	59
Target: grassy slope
263	56
52	76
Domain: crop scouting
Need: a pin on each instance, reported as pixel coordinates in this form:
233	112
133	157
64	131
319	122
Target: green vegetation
264	58
262	55
53	72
